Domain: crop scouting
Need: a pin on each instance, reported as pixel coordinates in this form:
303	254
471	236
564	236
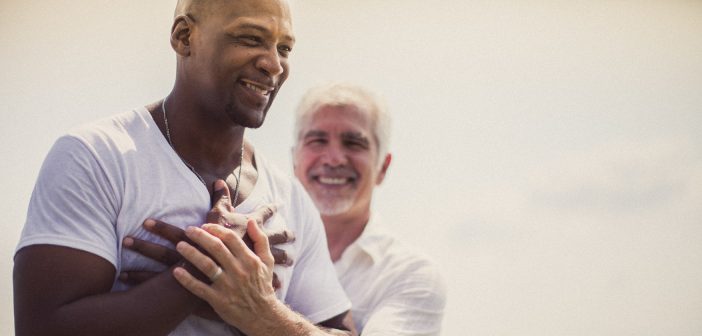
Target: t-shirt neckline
188	174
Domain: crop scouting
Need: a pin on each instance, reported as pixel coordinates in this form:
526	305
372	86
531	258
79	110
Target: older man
164	161
340	156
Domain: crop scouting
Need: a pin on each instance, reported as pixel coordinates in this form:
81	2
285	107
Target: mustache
339	171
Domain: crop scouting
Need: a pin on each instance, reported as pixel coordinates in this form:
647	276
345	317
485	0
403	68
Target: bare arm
51	300
64	291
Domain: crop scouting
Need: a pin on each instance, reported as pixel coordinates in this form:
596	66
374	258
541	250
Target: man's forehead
343	133
235	8
263	25
337	128
344	113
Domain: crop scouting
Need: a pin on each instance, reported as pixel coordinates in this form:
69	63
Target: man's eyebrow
263	30
315	133
358	136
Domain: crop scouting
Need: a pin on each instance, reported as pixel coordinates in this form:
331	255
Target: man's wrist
278	319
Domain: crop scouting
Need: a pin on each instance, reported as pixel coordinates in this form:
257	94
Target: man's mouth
259	88
332	180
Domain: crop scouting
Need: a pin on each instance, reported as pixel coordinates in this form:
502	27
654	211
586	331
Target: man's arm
64	270
51	300
60	289
242	295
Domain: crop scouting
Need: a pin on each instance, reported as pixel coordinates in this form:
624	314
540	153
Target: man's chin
249	117
251	120
333	208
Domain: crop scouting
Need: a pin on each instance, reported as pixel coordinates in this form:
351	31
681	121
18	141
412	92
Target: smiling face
336	159
237	57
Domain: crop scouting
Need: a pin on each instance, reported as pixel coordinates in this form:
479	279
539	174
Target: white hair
344	94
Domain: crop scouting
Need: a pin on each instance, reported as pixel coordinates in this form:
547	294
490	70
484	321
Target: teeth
256	88
332	180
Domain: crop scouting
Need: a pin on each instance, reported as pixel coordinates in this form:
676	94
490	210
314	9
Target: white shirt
101	181
393	290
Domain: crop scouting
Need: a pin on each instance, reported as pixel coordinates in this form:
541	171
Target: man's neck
212	147
342	230
200	135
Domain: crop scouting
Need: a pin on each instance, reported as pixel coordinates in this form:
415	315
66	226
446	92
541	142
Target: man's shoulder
120	133
106	127
397	254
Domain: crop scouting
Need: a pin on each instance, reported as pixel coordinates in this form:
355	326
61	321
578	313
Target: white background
548	154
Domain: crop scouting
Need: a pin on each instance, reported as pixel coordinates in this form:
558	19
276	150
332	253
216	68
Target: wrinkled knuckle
200	291
210	269
259	266
220	248
240	273
228	236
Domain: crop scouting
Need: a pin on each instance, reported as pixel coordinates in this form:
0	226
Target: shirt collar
372	239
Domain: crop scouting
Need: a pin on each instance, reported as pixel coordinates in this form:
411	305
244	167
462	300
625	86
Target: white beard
331	206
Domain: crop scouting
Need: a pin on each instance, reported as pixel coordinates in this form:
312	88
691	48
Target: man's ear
293	157
180	34
383	169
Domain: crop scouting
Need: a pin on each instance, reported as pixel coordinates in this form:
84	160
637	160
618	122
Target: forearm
279	319
153	308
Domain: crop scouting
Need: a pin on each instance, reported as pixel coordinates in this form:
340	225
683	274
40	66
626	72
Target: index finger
171	233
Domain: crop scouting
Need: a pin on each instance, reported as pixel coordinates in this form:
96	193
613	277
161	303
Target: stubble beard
332	205
246	119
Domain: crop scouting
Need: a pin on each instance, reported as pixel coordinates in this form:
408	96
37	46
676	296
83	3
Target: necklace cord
192	169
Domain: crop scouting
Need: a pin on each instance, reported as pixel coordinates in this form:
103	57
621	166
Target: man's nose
334	156
271	62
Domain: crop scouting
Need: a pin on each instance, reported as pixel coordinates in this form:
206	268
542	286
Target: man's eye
316	141
284	50
250	40
356	145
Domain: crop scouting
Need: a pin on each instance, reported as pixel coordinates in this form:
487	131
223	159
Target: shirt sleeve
314	290
415	307
72	203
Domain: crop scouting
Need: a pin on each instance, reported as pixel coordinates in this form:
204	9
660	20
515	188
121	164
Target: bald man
100	182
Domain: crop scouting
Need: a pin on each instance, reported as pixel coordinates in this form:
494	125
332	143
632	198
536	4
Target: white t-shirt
101	181
393	289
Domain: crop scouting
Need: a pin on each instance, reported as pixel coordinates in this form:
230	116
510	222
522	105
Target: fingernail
149	223
220	185
128	242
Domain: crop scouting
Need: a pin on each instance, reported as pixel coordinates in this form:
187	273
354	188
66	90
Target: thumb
260	243
220	194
